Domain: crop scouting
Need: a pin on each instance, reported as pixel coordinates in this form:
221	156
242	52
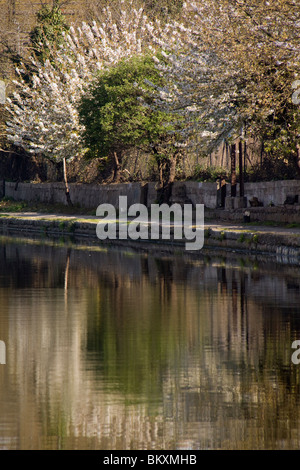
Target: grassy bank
10	205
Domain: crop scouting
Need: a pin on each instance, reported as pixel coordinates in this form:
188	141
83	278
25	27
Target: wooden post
233	170
241	170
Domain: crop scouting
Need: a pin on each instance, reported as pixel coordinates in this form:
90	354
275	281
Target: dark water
111	349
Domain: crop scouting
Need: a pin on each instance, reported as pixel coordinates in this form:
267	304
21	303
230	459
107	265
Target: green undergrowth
10	205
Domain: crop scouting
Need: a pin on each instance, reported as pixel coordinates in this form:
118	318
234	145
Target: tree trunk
245	158
160	173
167	187
160	168
172	170
233	170
66	183
241	169
297	160
117	170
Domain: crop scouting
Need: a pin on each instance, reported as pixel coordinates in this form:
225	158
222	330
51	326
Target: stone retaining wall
87	196
282	214
286	247
187	192
272	192
90	196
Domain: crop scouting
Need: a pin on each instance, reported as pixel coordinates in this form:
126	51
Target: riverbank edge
217	236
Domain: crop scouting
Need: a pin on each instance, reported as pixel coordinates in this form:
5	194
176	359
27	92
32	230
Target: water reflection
116	350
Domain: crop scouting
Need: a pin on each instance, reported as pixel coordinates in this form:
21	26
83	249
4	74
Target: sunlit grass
10	205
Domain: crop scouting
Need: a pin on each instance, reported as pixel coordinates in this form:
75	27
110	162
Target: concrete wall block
202	193
91	196
229	201
84	195
151	193
239	202
272	192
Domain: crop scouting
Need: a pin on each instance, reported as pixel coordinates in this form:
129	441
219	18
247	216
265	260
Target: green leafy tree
51	24
116	117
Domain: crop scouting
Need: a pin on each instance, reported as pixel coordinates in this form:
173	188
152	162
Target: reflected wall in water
112	349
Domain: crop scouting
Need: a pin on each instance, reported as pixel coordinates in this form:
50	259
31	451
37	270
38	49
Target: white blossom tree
235	65
43	112
227	62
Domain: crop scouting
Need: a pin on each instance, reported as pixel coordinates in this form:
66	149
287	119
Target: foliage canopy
113	115
48	33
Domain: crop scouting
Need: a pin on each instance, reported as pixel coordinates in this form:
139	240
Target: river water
112	349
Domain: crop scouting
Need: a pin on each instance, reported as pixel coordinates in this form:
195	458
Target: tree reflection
120	348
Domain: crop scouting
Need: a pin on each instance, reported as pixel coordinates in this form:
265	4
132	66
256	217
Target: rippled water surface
112	349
